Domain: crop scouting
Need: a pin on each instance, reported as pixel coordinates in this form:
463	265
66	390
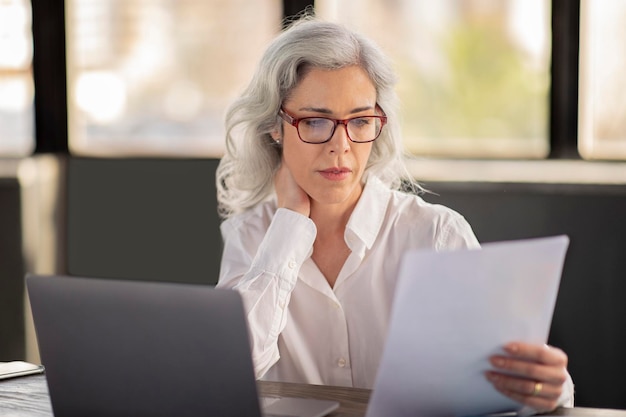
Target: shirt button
341	362
292	264
281	305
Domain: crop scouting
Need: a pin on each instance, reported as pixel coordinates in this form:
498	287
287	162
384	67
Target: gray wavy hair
245	173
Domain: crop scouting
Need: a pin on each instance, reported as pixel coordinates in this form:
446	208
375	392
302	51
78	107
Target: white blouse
302	330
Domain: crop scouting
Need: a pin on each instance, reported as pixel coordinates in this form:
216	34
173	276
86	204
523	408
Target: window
154	78
16	81
602	101
474	74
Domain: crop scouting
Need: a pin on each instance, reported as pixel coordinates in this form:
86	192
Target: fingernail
511	348
492	377
499	362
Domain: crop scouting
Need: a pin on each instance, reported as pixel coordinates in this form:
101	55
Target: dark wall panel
143	219
12	342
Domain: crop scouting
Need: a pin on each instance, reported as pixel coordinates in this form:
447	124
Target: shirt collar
368	215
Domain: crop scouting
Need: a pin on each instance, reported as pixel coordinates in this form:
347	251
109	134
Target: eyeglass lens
360	129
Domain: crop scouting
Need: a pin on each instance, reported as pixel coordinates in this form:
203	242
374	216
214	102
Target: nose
340	142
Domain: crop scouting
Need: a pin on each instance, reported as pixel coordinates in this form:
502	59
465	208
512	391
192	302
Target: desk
353	401
28	397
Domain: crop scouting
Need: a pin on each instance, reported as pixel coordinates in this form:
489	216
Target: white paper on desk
16	369
452	310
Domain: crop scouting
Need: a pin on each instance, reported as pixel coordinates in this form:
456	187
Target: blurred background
153	77
111	126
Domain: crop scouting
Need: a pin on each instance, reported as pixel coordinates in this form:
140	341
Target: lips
336	170
335	173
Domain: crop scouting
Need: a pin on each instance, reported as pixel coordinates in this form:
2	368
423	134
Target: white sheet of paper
15	369
452	310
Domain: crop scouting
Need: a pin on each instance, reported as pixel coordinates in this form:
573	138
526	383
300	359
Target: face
330	173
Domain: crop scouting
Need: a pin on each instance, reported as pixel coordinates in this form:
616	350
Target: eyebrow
327	111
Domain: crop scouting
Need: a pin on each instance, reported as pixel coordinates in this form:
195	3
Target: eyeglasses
318	130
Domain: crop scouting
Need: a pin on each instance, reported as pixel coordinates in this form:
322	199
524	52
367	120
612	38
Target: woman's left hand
530	374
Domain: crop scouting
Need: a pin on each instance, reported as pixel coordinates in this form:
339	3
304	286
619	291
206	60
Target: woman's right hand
288	192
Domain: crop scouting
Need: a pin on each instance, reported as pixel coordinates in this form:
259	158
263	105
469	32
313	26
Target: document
451	312
15	369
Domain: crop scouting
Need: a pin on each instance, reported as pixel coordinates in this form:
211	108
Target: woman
316	225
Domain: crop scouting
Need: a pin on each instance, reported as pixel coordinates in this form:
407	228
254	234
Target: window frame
564	80
50	75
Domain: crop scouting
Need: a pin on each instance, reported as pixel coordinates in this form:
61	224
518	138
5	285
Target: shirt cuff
287	243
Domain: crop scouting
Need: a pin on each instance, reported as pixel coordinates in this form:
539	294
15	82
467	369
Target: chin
333	195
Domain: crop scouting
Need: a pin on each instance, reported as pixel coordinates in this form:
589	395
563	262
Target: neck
329	219
333	218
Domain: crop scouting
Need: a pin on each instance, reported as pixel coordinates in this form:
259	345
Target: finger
524	387
547	374
288	193
539	403
534	362
545	354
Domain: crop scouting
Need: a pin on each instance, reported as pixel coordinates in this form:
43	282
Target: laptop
139	348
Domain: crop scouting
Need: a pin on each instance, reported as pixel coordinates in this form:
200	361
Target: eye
360	122
315	123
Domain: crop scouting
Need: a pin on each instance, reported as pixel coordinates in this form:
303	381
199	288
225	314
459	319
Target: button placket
341	361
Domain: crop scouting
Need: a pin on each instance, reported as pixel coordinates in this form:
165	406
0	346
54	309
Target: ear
277	133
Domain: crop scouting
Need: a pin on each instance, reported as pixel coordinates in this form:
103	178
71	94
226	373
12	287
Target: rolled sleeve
268	280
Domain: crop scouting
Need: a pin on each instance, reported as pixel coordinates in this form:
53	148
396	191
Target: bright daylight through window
154	78
602	101
474	74
16	80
